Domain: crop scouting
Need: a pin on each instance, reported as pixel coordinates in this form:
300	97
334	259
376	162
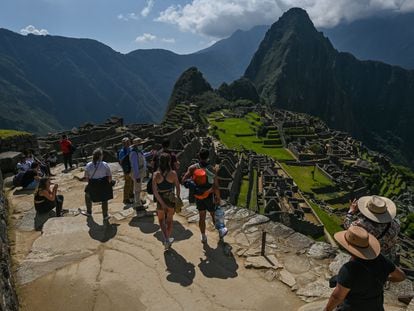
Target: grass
11	133
241	200
228	129
332	223
302	175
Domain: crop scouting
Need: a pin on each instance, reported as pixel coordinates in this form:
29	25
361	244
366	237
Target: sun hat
359	242
378	209
125	139
138	141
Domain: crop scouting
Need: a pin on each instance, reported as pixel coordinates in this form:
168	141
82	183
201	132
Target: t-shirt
66	146
28	177
102	170
365	279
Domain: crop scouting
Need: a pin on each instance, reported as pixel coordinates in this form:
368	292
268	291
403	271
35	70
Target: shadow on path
23	191
41	218
102	233
145	224
180	270
179	233
219	262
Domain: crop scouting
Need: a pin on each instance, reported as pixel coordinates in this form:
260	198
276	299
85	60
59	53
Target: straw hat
359	242
378	209
139	141
125	139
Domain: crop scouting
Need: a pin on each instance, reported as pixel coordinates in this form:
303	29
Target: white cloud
168	40
220	18
147	9
128	16
33	30
146	37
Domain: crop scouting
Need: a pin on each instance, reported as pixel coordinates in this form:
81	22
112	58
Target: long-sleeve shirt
138	163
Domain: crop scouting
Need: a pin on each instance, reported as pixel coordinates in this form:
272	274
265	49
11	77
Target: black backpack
126	164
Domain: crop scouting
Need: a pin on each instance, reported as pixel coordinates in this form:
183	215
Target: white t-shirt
102	170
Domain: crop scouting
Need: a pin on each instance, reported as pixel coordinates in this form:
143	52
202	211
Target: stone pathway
78	264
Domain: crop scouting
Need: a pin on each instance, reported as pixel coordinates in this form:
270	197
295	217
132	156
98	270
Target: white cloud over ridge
148	37
147	9
30	29
220	18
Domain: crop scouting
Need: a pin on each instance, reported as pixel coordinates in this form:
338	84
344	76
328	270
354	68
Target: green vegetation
332	223
302	175
241	200
407	225
11	133
232	133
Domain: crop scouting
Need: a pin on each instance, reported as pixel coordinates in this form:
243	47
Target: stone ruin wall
8	297
18	143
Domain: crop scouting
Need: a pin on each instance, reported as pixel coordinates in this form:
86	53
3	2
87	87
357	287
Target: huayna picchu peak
297	68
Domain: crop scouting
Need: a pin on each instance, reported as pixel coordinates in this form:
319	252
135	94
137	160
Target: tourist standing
360	282
165	148
139	169
203	177
67	149
46	198
123	158
164	181
99	189
377	216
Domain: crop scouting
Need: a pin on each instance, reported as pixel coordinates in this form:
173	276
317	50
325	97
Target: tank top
165	185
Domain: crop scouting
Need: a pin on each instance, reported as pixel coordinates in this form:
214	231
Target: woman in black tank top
46	199
163	183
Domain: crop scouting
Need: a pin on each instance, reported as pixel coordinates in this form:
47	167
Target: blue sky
183	26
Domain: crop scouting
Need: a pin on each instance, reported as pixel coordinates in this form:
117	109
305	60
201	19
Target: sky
182	26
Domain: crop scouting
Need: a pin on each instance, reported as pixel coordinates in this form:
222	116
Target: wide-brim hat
139	141
378	209
357	241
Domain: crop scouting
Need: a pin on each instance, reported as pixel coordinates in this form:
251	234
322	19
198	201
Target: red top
65	146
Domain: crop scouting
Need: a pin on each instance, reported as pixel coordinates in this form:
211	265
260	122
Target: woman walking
46	198
163	183
99	188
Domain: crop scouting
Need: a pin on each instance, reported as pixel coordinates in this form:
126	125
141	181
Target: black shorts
206	204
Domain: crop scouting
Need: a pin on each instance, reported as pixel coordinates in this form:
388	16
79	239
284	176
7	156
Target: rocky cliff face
297	68
8	298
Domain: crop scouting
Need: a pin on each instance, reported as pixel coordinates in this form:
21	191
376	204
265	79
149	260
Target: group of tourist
370	238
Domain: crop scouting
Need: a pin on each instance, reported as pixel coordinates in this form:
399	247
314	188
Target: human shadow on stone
41	218
102	233
219	262
145	224
181	271
179	233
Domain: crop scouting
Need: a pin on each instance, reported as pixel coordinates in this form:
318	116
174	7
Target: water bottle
219	218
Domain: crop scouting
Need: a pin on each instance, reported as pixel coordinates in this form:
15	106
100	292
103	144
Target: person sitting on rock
377	216
46	198
164	181
51	159
23	165
360	282
31	177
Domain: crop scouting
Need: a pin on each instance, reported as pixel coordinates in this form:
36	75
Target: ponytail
97	155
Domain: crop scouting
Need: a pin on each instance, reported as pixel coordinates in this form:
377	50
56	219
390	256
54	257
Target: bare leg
170	215
202	221
161	220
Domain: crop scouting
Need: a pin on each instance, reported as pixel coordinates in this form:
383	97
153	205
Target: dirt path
77	264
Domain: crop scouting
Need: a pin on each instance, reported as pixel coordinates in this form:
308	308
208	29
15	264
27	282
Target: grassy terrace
332	223
241	133
302	175
11	133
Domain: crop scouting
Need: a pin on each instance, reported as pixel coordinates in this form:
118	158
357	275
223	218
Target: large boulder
9	160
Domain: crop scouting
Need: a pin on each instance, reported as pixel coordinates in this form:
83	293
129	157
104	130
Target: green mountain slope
297	68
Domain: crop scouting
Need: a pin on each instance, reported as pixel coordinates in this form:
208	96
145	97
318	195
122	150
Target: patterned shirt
389	238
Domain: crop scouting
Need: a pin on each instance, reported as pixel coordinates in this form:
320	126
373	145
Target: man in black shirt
360	281
31	177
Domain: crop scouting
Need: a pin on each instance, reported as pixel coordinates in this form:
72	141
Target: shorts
168	198
206	204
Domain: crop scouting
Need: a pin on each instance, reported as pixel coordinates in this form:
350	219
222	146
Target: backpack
126	164
17	179
203	175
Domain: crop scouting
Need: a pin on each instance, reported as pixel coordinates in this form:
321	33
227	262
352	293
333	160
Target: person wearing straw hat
139	169
377	216
360	281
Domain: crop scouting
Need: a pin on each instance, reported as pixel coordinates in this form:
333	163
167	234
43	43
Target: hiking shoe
223	232
166	245
106	218
85	213
171	241
203	238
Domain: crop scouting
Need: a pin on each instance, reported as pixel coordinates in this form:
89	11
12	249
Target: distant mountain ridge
52	82
297	68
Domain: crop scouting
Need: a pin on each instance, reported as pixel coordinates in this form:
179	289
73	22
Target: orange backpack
200	177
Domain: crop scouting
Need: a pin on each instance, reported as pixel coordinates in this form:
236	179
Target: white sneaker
223	232
171	240
166	245
203	238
